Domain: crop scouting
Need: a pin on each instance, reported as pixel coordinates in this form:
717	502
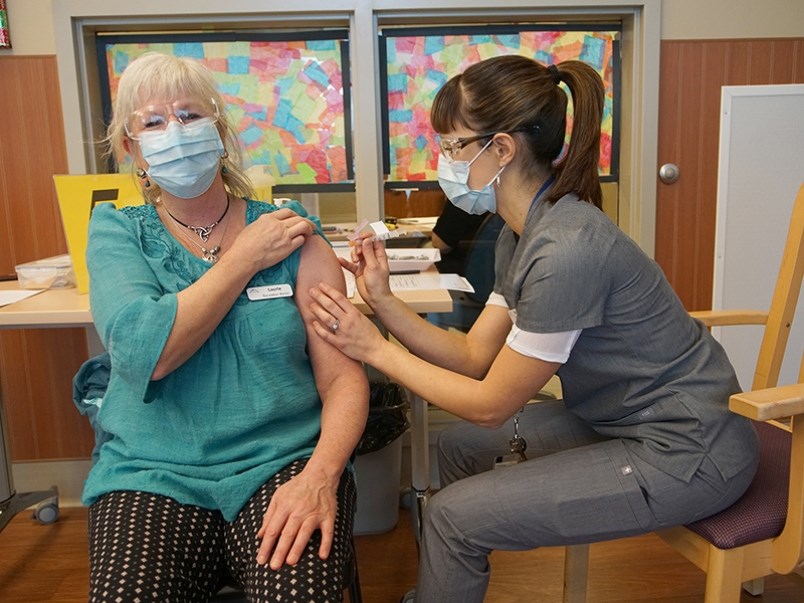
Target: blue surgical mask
453	177
183	159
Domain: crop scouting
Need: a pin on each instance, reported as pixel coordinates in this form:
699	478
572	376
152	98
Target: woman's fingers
331	299
350	266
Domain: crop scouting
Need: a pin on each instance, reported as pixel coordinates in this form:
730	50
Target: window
417	62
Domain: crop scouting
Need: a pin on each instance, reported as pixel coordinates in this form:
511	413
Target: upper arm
318	264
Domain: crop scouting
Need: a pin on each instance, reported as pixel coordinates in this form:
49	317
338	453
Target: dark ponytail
577	171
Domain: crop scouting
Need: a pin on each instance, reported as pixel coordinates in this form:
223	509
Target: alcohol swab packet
376	231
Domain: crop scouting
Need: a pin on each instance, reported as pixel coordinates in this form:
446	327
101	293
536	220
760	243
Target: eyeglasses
156	117
451	146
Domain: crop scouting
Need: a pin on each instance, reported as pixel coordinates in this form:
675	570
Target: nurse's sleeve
132	314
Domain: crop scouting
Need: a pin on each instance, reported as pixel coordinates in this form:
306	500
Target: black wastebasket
387	419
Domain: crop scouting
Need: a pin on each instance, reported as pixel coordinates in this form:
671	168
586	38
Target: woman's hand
299	507
272	237
342	325
370	266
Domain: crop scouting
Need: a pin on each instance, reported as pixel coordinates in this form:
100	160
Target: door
692	73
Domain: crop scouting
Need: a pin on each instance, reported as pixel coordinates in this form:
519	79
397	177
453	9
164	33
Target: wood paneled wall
425	202
36	366
692	73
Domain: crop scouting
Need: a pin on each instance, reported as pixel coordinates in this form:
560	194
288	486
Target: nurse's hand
370	266
342	325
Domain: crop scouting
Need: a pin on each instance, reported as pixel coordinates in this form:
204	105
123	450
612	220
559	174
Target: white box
48	273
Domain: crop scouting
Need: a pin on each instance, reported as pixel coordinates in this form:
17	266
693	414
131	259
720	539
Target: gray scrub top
642	369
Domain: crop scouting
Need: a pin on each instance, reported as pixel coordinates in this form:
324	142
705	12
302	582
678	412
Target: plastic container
48	273
412	259
378	476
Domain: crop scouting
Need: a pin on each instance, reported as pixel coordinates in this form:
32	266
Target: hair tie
555	74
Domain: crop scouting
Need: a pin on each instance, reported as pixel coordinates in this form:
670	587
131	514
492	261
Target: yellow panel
78	195
611	205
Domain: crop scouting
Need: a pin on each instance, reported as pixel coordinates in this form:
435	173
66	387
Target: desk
68	308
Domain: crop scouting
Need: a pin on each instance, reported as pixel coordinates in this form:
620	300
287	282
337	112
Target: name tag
269	292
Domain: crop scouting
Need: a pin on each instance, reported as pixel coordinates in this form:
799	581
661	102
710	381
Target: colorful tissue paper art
418	65
5	39
285	98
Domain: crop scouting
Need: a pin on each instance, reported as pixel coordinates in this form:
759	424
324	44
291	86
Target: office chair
479	271
13	502
763	532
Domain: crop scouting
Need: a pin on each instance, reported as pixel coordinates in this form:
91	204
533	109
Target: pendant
203	232
211	255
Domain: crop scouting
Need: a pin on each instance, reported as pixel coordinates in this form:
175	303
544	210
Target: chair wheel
47	511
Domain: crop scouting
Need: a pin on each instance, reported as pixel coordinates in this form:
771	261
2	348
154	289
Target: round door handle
669	173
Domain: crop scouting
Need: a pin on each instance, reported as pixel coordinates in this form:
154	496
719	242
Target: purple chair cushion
761	512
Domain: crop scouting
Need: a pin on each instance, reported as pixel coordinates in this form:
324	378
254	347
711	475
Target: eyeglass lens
156	117
451	146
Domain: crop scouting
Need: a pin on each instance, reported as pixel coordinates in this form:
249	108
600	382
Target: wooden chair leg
576	570
723	575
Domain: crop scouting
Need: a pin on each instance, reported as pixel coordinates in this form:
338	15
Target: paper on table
417	281
406	282
429	280
10	297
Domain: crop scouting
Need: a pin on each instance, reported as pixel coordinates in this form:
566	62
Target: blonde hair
518	95
157	75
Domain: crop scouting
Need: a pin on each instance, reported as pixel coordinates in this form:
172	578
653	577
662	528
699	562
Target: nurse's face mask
453	177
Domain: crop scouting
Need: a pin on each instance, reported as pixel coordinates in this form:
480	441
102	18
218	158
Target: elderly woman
225	433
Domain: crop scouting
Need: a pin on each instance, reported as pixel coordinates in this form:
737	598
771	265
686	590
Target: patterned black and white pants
146	548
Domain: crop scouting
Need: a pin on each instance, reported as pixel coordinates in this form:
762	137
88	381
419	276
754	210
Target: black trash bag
387	418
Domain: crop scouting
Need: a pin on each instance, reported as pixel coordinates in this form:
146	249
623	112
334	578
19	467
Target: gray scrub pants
576	487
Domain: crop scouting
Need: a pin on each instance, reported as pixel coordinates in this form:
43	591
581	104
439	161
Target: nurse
643	438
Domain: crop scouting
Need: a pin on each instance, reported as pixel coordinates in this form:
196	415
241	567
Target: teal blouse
241	408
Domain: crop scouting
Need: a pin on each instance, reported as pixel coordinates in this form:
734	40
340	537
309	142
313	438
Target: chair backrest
778	319
784	301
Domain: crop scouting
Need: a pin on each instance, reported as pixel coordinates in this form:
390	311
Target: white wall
708	19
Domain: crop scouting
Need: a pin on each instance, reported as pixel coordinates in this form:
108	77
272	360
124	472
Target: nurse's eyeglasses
452	146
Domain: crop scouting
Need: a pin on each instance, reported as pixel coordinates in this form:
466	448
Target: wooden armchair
763	532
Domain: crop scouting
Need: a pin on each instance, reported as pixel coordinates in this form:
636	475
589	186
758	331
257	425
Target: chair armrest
772	403
717	318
